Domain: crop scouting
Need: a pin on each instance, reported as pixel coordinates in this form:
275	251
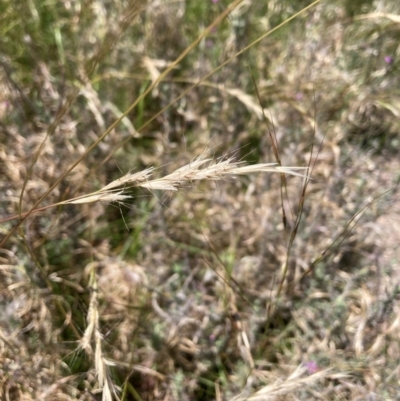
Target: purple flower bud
311	367
389	59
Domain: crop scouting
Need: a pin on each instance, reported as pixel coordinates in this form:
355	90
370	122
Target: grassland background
175	296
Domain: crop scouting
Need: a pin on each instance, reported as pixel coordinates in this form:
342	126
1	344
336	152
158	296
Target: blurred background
207	293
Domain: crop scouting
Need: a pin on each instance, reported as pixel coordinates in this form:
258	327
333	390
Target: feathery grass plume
199	169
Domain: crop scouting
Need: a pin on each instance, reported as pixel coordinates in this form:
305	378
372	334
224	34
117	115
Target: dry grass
193	278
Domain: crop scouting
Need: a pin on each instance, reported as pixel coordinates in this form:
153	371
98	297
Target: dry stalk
92	332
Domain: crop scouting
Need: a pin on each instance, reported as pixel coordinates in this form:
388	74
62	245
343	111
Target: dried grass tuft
283	387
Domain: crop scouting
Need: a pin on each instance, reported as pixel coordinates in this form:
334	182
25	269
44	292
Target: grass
154	245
